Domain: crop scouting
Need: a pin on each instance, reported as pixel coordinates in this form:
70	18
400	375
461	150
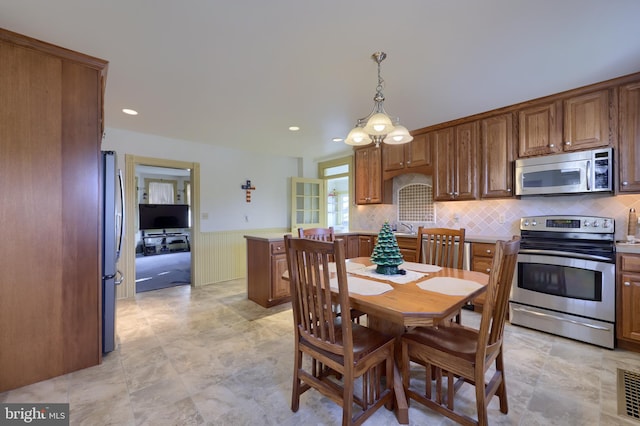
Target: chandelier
378	127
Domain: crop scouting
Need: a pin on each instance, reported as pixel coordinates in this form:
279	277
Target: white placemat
351	266
420	267
370	271
362	286
449	286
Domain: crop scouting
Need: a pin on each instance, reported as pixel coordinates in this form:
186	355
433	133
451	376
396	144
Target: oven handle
565	254
555	317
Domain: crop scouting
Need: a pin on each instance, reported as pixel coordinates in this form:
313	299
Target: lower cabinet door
279	287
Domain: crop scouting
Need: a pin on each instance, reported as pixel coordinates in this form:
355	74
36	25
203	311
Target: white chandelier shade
378	127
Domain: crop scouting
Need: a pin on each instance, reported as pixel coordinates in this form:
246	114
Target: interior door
308	204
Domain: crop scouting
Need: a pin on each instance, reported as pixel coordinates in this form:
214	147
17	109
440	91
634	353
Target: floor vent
629	394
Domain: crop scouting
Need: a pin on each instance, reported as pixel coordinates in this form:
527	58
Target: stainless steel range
565	278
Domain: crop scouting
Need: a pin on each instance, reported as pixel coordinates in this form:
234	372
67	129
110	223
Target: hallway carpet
162	271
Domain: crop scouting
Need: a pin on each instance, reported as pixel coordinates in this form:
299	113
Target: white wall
222	172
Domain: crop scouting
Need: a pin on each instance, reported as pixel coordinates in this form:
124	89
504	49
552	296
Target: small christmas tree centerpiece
386	254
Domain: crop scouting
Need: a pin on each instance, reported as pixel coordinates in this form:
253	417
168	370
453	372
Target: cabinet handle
625	183
552	145
488	270
488	251
568	143
508	189
627	283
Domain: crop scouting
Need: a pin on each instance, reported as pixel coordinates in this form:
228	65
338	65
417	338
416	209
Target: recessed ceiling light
294	128
130	111
337	139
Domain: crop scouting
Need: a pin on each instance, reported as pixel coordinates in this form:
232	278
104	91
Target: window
161	191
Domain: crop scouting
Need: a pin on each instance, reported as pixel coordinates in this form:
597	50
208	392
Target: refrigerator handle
120	215
121	280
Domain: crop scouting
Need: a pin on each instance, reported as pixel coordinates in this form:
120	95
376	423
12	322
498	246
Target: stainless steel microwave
572	173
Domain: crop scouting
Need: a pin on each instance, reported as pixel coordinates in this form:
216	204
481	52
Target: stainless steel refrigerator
112	235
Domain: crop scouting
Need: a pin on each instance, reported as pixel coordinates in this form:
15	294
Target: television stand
165	243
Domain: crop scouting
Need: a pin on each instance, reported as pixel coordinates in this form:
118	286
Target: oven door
566	296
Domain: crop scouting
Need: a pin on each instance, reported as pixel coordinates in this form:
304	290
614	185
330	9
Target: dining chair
463	354
442	247
341	353
320	234
327	234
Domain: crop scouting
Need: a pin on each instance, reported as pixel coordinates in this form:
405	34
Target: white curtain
161	193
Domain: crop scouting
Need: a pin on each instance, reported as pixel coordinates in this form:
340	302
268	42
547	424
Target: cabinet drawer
630	263
407	243
277	247
483	249
481	264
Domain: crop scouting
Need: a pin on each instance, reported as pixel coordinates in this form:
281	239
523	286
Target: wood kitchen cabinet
266	262
369	187
628	301
352	244
455	162
407	246
52	124
497	156
580	122
412	157
629	142
587	122
366	244
481	260
540	129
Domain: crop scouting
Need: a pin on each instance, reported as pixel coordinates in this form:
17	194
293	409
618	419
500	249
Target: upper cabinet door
392	157
466	172
455	170
540	129
587	121
497	156
629	144
418	152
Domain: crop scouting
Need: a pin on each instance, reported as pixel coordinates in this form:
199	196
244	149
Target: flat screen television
163	216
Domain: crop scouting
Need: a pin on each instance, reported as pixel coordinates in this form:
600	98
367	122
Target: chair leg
481	400
390	380
347	400
295	389
502	388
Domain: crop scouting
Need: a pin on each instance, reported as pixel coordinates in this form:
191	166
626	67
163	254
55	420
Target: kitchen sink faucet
409	227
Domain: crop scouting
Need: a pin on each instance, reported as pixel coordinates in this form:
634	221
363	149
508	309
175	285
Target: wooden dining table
408	305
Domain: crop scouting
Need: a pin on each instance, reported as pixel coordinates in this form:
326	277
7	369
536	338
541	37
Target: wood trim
51	49
608	84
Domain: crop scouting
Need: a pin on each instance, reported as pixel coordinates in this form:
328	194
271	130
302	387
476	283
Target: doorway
163	249
127	262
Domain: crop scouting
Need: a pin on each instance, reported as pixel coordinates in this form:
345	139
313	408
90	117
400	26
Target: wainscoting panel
222	256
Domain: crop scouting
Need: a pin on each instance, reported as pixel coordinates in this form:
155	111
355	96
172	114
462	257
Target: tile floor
209	356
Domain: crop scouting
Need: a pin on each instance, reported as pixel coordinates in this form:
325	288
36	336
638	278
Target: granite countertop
469	238
624	247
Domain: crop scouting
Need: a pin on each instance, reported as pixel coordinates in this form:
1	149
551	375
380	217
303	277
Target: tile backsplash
484	217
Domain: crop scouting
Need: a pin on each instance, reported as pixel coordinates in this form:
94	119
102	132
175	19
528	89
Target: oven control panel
589	224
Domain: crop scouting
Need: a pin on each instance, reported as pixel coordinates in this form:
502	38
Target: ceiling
238	73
